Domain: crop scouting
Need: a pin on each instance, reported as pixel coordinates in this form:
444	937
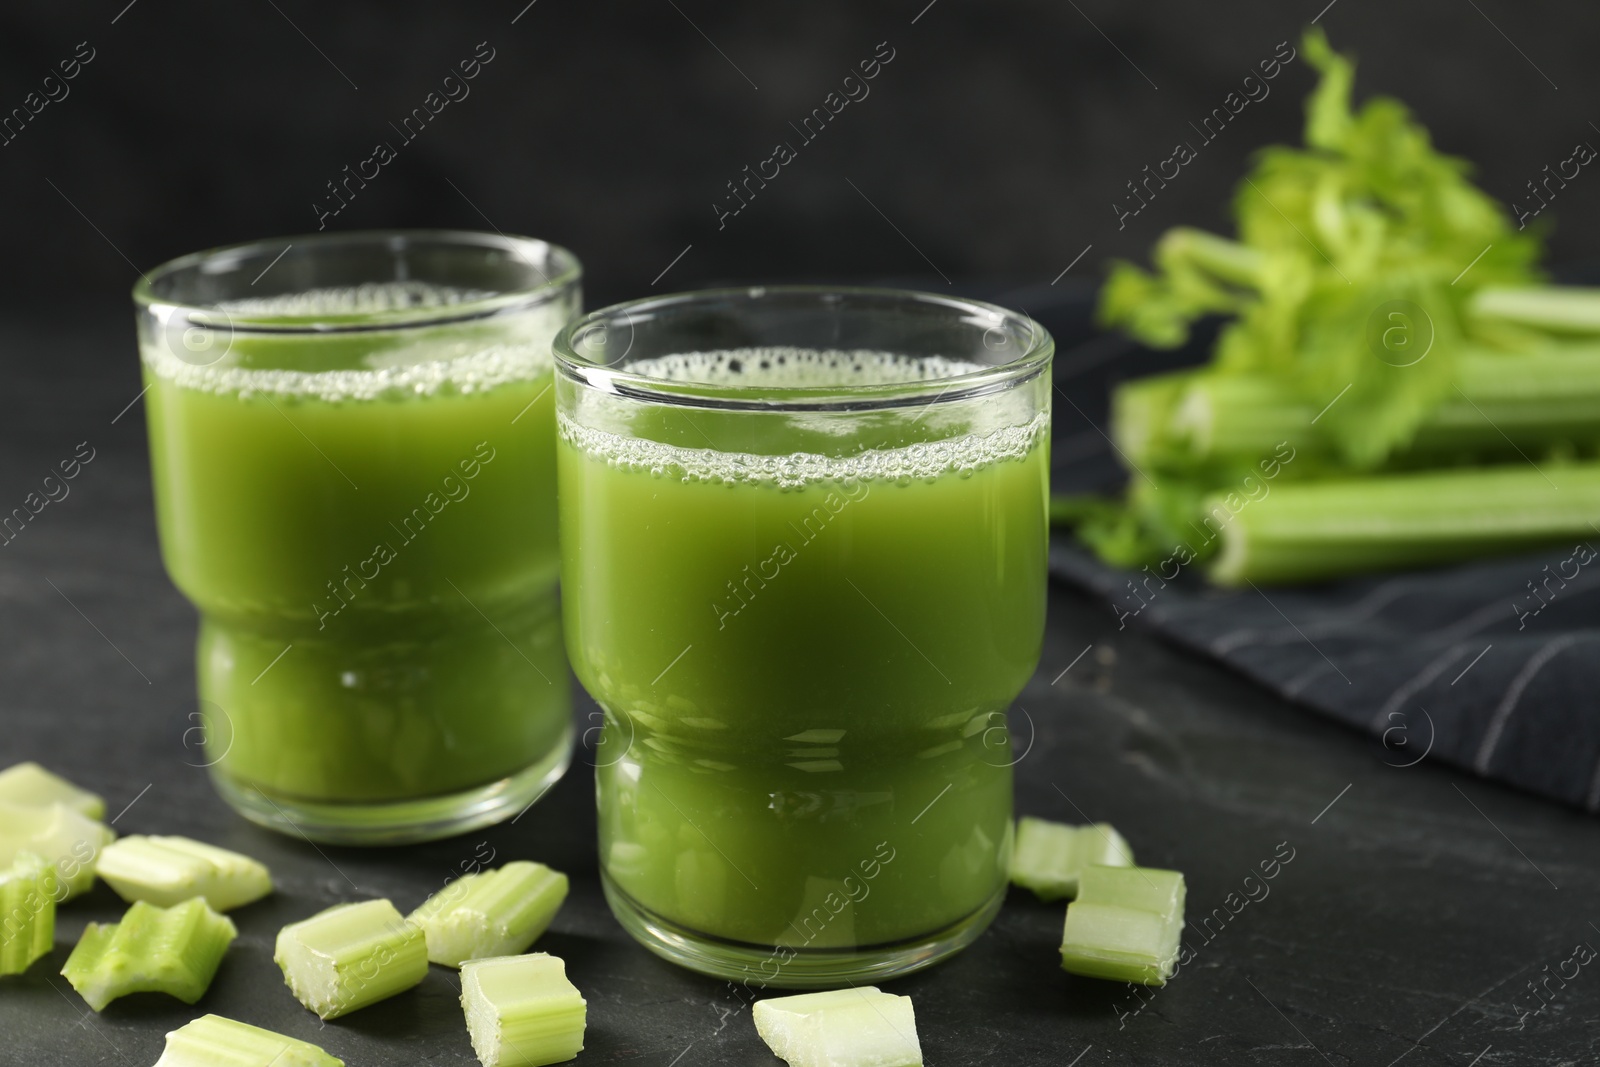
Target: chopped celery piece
1124	925
152	950
32	785
858	1027
1048	856
522	1011
349	956
27	912
213	1041
167	870
493	913
58	835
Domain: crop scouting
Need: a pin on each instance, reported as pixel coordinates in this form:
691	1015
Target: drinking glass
803	542
353	448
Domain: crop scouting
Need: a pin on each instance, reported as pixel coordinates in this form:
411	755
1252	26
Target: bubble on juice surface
781	368
512	347
800	368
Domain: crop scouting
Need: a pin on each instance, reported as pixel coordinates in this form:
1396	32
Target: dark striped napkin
1493	667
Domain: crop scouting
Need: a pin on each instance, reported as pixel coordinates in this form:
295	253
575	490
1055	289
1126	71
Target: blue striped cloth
1493	667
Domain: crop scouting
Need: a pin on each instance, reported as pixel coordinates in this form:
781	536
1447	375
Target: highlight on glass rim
512	615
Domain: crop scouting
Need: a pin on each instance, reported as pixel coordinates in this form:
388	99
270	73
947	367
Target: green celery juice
808	660
366	524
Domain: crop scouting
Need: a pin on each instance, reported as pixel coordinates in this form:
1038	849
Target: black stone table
1417	906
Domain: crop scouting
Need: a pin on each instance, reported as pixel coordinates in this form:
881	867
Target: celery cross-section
215	1041
349	956
152	950
858	1027
27	912
31	785
168	870
492	913
1049	857
1124	925
522	1011
57	834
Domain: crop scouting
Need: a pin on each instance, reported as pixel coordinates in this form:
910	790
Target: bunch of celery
1386	322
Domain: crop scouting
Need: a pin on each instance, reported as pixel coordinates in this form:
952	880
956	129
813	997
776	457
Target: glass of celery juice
352	442
803	568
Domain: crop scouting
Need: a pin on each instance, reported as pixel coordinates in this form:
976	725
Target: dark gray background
995	141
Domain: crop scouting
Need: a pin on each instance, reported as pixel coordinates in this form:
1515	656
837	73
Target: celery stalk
1500	402
58	835
522	1011
857	1027
1125	925
1313	531
152	950
31	785
214	1041
1559	309
1049	857
27	912
349	956
1141	416
491	913
167	870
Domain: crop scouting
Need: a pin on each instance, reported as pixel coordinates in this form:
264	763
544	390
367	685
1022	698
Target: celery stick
32	785
349	956
213	1041
1307	532
167	870
27	912
492	913
522	1011
1125	925
1500	402
1559	309
152	950
58	835
1048	857
1141	416
858	1027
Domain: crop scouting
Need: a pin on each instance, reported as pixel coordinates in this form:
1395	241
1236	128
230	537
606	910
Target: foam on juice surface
784	368
423	367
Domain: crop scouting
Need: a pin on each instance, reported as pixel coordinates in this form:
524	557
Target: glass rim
954	387
567	272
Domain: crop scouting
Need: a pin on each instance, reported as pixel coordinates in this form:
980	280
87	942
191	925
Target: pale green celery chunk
858	1027
32	785
167	870
27	912
1049	857
57	834
1125	925
522	1011
493	913
152	950
351	955
213	1041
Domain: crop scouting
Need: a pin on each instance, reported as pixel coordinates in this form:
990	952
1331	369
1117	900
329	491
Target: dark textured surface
1415	909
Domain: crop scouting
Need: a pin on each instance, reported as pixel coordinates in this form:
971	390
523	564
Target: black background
995	141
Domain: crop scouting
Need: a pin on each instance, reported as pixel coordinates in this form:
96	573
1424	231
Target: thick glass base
780	968
398	822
